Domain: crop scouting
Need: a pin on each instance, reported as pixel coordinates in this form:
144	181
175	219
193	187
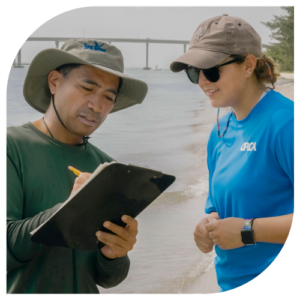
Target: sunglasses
211	74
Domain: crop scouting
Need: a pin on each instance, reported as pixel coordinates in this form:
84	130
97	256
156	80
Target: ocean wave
286	84
189	281
167	197
191	191
199	189
192	281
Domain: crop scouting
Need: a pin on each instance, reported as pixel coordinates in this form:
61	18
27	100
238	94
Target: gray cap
95	53
216	39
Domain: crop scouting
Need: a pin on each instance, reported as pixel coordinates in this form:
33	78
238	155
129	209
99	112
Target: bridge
147	41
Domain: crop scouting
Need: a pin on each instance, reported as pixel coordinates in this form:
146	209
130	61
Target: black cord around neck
47	128
52	97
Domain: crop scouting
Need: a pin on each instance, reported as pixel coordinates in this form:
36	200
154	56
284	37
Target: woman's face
229	88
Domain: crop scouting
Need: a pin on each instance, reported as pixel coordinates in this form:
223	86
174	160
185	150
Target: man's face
84	98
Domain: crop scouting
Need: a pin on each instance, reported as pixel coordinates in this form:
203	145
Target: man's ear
250	64
53	78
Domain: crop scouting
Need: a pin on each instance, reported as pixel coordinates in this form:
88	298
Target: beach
168	132
286	75
288	89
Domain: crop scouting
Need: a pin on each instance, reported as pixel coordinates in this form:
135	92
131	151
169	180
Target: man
76	87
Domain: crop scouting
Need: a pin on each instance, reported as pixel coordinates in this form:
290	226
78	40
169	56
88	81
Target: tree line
282	28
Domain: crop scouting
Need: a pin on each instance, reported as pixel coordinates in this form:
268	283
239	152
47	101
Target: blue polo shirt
251	175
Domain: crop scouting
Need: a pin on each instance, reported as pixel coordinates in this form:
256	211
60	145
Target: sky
170	23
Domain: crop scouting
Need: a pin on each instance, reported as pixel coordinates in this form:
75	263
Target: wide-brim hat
95	53
215	40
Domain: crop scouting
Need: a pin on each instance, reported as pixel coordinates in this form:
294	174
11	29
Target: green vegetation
282	28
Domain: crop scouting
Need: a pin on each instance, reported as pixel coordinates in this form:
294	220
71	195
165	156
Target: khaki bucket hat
215	40
95	53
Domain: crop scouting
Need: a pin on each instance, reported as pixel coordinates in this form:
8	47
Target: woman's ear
53	78
250	64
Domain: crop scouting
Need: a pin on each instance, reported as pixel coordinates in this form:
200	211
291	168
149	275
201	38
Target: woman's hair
261	69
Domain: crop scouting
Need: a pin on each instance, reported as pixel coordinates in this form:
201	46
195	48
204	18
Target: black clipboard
117	190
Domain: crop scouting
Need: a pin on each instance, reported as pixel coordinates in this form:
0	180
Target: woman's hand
201	236
226	233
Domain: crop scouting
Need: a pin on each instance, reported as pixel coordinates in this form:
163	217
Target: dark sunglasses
211	74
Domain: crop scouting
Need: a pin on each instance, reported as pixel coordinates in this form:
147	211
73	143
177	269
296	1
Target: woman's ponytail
262	71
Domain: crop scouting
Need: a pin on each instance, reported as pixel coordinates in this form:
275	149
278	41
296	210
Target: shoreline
286	75
286	90
207	281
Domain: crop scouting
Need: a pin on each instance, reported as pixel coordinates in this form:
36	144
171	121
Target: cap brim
198	58
36	90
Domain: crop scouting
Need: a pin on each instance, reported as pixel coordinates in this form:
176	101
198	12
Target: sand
287	75
286	90
207	281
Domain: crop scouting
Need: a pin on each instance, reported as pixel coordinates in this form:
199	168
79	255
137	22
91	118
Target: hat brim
36	89
198	58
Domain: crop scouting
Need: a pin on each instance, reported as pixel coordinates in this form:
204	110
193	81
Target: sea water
167	132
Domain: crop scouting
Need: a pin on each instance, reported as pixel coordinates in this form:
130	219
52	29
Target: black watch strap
248	233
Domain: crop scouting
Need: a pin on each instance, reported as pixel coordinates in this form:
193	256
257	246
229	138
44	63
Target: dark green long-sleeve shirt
38	182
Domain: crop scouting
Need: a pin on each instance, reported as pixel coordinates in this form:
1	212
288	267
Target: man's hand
226	233
118	244
79	181
83	177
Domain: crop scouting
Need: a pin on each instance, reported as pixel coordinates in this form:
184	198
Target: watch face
247	222
248	237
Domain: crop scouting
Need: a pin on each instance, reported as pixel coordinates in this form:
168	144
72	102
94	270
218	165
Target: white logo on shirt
248	146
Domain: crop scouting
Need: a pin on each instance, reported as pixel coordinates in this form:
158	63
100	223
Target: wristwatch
247	233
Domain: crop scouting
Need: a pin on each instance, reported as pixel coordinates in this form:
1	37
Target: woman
250	152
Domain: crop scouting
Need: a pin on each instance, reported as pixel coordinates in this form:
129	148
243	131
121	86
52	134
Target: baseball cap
216	39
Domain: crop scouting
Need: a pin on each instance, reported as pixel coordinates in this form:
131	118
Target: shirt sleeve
284	149
20	249
209	206
110	273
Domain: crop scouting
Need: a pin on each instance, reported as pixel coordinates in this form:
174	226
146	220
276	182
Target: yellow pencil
75	171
